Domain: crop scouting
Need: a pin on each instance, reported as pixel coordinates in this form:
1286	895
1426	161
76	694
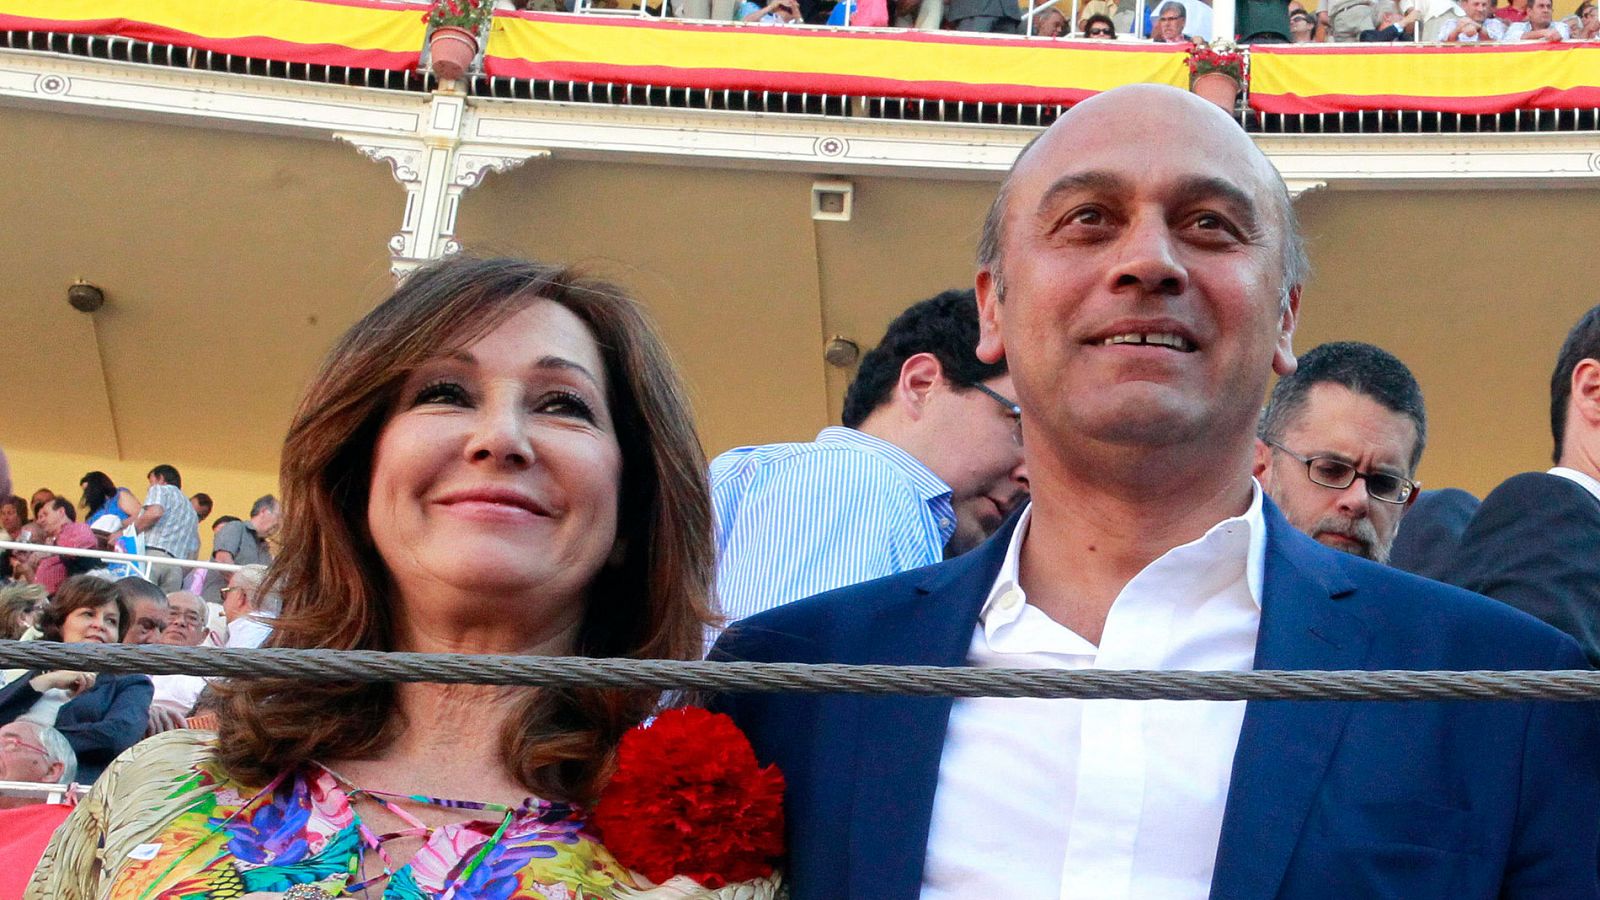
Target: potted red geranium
454	26
1217	72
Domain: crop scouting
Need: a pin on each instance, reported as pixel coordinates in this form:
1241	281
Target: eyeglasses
1338	474
10	743
1099	32
1011	407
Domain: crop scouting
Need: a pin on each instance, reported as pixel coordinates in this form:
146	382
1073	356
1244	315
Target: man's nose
1354	501
1148	258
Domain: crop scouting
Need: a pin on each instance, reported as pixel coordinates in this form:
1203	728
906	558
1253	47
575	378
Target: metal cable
569	671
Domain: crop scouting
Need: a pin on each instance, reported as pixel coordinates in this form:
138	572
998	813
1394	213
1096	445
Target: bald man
1140	272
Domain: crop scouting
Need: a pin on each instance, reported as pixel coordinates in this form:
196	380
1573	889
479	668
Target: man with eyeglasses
1338	443
927	464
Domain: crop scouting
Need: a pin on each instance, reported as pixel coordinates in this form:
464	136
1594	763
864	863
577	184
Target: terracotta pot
1218	87
451	51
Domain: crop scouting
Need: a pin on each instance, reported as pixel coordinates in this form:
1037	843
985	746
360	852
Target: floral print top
175	827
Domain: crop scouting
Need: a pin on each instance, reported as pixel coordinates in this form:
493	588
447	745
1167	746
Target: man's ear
1263	460
1283	359
991	346
920	374
1586	392
53	774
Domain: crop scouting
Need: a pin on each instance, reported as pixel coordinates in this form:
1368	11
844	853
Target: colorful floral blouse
175	827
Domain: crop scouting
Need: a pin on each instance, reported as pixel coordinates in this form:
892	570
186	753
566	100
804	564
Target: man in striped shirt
927	465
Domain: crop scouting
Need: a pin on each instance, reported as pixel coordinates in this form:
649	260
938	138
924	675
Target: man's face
1540	12
265	522
1169	25
982	459
1051	24
149	620
1352	428
40	497
1143	279
1478	10
186	620
1300	28
23	757
10	519
52	519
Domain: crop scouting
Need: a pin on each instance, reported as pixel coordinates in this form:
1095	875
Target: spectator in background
1513	12
1100	27
1170	21
101	716
249	611
993	16
36	754
13	515
1050	23
243	544
775	12
1476	25
1532	544
201	504
101	497
221	521
53	570
1393	25
1262	22
1302	26
1348	18
1434	17
169	525
147	608
715	10
1588	25
923	15
928	464
20	563
53	515
1539	24
20	607
40	498
176	694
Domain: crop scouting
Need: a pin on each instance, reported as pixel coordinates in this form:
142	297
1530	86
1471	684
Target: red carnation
688	799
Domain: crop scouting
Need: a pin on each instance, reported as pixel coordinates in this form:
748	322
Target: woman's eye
564	403
446	392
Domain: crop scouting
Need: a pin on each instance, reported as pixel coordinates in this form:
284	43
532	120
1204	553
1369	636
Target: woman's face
498	472
97	624
10	522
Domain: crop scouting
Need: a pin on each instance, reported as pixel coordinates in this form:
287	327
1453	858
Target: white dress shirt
1100	798
1584	480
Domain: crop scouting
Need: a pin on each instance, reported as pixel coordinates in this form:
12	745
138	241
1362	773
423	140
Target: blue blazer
1327	800
99	723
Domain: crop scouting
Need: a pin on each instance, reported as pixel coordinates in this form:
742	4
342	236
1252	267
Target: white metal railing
52	550
46	792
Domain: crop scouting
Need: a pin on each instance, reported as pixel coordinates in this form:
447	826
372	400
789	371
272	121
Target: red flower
688	799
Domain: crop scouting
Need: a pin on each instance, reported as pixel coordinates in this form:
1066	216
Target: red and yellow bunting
1465	78
357	33
932	66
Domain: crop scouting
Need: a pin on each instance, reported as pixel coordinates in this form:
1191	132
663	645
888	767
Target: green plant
468	14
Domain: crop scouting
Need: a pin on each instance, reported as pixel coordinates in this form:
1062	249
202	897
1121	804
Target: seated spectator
1588	26
54	514
1177	23
1302	27
1050	23
1539	25
100	716
186	627
53	570
101	497
993	16
244	543
201	504
1394	26
1476	25
249	611
13	515
1338	444
30	753
147	606
20	607
1100	28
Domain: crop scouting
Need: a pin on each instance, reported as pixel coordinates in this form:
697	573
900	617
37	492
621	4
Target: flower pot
1218	87
451	51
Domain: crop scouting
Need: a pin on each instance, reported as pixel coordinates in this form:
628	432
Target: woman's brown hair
78	592
653	603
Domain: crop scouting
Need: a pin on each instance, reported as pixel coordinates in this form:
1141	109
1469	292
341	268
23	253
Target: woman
1100	27
20	607
102	498
13	515
497	459
100	716
1588	27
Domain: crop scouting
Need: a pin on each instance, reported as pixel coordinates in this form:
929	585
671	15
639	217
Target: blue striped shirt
792	520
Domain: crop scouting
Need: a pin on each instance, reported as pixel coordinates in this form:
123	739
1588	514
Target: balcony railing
875	74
